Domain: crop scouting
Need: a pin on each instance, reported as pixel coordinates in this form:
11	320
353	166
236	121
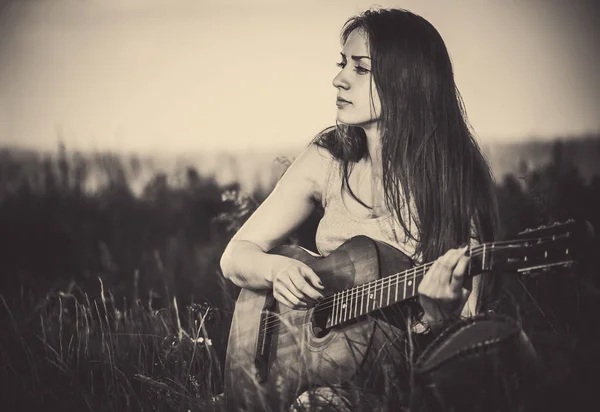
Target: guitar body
275	353
299	353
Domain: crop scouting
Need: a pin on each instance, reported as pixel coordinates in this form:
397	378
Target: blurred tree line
167	241
55	233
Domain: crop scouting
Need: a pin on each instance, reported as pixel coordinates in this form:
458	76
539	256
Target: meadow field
111	295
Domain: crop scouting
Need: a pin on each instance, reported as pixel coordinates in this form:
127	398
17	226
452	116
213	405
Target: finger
430	285
458	274
281	299
425	284
312	277
447	262
286	287
307	290
465	295
288	299
290	284
441	272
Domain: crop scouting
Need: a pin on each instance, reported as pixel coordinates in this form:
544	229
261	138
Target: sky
183	76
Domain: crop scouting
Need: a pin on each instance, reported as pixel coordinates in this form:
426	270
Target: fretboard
360	300
351	303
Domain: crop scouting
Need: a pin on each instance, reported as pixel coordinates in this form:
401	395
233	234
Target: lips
339	100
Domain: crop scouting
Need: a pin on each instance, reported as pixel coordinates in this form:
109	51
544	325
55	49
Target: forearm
471	308
472	305
247	265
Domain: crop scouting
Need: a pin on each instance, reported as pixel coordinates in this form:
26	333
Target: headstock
557	245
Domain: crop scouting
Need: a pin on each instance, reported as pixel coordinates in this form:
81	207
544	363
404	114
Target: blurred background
136	136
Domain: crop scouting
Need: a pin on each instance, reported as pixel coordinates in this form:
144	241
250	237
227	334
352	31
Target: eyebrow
356	57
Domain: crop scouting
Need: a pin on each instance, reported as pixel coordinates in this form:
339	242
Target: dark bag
481	363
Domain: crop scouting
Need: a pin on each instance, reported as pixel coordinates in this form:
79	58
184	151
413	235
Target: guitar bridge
266	329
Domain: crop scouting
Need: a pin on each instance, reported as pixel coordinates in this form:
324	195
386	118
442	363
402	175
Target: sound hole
320	317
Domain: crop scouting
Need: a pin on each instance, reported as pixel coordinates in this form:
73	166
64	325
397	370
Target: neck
374	144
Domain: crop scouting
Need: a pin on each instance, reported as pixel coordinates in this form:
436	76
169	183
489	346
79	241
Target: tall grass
112	300
90	355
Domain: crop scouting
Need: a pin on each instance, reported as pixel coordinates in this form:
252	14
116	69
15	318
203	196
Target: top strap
328	181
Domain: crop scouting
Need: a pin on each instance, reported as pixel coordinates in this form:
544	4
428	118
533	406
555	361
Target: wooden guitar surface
275	353
300	357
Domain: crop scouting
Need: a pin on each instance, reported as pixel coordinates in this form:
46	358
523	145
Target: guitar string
380	284
474	252
324	304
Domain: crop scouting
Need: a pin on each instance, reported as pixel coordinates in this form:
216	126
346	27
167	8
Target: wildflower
200	339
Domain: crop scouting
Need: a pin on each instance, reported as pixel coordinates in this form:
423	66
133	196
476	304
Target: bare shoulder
309	170
291	202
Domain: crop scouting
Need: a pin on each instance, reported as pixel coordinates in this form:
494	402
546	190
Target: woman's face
357	99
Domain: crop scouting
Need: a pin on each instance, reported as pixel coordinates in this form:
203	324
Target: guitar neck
533	251
360	300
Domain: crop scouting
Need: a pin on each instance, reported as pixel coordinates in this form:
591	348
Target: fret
483	258
388	292
351	297
335	308
374	296
412	281
418	271
355	302
366	298
368	295
404	294
396	295
339	308
376	290
346	304
362	299
380	289
343	305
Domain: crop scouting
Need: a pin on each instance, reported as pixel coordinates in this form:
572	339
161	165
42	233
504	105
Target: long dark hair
434	173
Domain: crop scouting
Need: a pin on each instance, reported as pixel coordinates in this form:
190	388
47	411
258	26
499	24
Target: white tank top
338	225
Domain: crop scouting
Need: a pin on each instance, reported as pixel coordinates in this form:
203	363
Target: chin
351	122
345	120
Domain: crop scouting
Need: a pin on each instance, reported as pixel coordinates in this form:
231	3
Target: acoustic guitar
275	353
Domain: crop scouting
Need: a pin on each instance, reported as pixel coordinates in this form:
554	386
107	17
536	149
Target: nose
340	80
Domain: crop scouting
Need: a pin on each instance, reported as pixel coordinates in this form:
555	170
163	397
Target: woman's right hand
296	285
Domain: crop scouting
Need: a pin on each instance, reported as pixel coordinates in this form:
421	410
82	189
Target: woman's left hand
442	294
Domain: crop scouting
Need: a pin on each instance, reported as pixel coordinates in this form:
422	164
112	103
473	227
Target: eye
361	70
341	64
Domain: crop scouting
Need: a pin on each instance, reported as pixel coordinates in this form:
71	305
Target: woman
400	166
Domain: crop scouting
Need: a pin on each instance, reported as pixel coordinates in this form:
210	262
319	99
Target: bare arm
245	261
445	288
